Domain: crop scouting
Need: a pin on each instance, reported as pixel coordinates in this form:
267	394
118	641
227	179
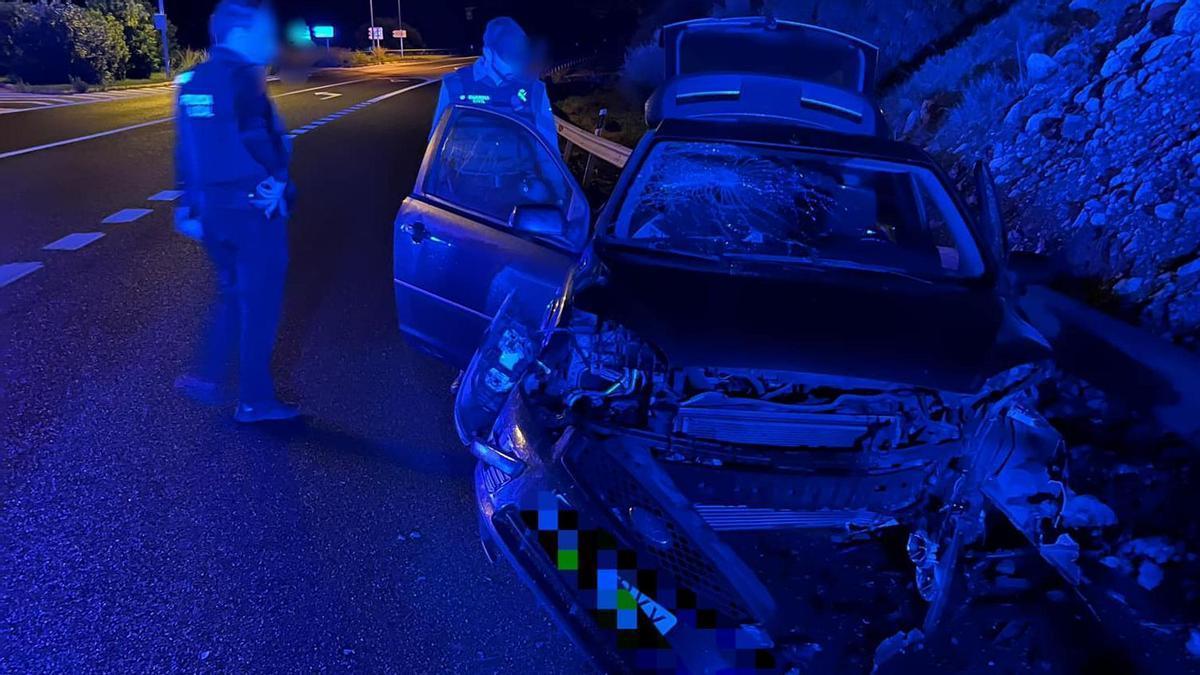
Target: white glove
272	198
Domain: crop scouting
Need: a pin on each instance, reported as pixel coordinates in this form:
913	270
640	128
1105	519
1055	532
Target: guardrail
597	146
564	66
426	52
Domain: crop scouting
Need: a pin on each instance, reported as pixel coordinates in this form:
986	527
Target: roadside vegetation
98	42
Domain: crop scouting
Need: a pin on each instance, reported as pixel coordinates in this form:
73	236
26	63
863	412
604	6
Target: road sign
322	32
375	33
399	34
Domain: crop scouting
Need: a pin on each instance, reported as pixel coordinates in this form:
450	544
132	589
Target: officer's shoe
198	389
270	411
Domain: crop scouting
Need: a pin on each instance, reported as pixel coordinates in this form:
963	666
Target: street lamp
160	22
400	26
372	5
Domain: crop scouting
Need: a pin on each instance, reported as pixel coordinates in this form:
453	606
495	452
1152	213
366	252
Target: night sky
572	27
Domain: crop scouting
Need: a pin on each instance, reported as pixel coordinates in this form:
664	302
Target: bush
183	60
644	69
51	42
98	51
344	58
141	37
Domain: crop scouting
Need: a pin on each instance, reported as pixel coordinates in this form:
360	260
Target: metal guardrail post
589	165
603	149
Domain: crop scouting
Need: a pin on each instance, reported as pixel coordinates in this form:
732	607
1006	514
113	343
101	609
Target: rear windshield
806	55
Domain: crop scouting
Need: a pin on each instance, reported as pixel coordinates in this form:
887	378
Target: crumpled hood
828	322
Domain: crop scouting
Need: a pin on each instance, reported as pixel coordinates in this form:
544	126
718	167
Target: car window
822	58
489	164
748	201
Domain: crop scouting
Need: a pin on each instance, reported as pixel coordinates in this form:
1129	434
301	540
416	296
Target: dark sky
573	27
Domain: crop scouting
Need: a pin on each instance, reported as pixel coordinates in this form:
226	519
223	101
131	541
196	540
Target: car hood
834	323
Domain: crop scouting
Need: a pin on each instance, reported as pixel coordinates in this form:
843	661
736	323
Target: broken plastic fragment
1193	643
1087	511
1150	575
1063	555
897	644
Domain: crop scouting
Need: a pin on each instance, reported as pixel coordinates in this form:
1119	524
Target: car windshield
780	205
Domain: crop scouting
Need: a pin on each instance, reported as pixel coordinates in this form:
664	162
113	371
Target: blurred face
258	41
509	57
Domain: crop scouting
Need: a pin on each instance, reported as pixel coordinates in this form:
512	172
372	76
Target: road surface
140	532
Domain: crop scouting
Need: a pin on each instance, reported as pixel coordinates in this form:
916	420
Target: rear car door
456	258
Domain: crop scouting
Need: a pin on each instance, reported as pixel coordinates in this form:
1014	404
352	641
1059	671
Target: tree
141	37
53	42
98	50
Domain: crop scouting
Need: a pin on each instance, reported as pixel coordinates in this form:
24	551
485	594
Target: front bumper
616	602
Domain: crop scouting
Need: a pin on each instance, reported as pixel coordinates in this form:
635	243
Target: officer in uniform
501	80
232	165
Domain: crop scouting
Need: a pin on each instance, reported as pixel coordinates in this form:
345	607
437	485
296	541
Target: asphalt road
140	532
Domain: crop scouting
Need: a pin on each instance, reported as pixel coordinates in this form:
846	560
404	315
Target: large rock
1074	127
1187	20
1040	66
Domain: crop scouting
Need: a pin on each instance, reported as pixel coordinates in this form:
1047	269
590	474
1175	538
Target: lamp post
160	21
372	5
400	26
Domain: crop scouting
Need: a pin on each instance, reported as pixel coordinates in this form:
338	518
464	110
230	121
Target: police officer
501	80
232	164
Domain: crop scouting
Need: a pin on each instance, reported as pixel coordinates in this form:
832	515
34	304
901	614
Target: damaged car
776	384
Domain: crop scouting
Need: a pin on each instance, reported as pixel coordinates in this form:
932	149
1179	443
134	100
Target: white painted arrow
326	95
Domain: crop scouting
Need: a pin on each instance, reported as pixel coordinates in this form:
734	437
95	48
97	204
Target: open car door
458	251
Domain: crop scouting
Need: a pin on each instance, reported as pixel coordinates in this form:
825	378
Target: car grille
783	429
613	486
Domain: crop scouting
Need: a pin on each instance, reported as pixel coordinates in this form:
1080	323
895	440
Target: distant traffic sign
399	34
322	32
375	32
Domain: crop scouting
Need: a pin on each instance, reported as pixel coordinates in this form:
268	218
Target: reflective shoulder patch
197	105
184	78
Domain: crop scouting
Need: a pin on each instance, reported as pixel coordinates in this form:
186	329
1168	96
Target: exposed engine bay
777	463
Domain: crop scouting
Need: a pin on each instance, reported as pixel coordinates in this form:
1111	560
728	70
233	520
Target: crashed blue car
783	345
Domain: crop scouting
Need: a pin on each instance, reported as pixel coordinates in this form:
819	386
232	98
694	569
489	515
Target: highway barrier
597	146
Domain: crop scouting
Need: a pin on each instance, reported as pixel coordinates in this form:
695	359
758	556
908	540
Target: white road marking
84	98
13	271
326	95
358	106
80	139
73	242
141	125
166	196
125	216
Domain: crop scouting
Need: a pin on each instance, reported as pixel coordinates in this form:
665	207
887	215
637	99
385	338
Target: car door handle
416	230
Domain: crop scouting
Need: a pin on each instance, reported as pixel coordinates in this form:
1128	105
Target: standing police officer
232	164
501	80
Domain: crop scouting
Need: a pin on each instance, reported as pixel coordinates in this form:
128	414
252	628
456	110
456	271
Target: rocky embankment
1093	132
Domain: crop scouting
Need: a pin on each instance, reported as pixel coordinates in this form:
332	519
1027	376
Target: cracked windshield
743	202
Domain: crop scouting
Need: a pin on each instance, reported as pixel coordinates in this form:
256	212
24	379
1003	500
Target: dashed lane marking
357	106
13	271
166	196
125	216
73	242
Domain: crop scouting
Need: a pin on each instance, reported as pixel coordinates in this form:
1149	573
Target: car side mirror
991	220
540	220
